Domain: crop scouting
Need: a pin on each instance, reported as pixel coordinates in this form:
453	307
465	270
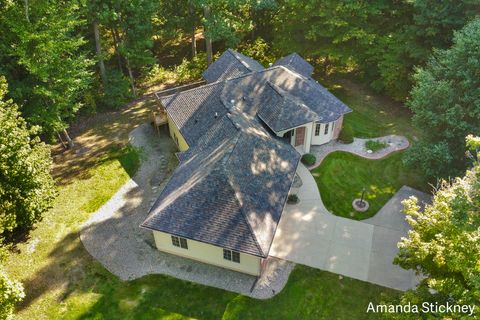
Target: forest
65	60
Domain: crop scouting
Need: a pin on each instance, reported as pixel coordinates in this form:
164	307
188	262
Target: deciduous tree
444	243
26	188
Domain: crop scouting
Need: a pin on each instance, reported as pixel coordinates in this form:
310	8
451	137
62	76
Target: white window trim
230	255
181	242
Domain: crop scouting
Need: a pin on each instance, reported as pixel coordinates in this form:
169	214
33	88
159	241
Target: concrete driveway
308	234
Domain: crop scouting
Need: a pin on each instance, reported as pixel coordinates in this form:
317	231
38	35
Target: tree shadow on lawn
88	291
74	273
94	137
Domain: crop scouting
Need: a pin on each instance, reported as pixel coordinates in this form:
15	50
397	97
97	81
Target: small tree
444	243
26	187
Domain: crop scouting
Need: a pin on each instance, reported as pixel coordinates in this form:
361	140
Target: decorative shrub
308	159
375	145
346	135
292	199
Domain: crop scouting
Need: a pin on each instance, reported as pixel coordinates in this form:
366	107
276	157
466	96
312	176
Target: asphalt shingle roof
296	63
230	64
280	111
232	183
230	191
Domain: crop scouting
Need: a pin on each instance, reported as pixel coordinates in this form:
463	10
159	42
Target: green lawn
309	294
342	176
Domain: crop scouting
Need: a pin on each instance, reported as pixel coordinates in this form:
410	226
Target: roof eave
261	255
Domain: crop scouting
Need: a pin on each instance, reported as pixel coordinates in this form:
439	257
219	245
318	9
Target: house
240	136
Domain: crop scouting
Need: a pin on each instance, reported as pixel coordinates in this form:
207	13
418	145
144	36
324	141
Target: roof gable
230	64
296	63
280	111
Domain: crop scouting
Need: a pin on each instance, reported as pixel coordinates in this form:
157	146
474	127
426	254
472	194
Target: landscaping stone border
395	143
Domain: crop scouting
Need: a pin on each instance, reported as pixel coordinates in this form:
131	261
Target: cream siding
208	253
322	137
176	135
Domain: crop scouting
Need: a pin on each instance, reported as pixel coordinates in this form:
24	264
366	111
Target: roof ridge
190	90
254	235
238	55
274	87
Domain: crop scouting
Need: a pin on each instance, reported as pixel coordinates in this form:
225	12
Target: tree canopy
26	188
444	243
446	104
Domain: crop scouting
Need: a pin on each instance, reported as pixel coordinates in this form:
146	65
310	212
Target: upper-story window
179	242
317	129
326	128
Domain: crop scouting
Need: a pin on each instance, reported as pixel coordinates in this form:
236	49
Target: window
236	256
179	242
326	128
317	129
231	255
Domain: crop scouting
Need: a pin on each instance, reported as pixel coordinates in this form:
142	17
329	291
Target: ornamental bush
292	199
346	135
375	145
308	159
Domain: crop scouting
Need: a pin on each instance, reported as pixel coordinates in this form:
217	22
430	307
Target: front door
299	136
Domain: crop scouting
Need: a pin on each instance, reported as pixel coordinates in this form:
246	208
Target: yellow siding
207	253
176	135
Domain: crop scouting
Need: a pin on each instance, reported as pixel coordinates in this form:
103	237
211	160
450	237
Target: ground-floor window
231	255
179	242
317	129
326	128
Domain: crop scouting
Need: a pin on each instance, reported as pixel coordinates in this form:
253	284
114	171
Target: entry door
299	136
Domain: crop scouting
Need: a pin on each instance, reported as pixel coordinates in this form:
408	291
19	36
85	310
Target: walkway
394	143
112	235
308	234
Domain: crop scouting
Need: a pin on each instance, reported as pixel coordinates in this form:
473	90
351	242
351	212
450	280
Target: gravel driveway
112	235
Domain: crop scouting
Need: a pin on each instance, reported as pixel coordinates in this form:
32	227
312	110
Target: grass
63	281
375	145
309	294
373	115
342	176
313	294
129	159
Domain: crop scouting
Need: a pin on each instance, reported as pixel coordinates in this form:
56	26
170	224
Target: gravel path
395	143
112	235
